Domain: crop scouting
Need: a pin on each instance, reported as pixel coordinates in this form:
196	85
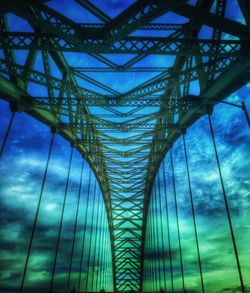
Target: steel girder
125	165
130	45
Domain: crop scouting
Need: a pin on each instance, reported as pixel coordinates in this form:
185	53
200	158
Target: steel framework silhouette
126	165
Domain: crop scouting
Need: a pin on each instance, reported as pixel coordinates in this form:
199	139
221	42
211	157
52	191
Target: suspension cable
7	133
168	227
157	238
226	205
242	106
37	212
152	247
96	232
84	232
162	238
106	261
154	239
177	219
101	254
75	226
102	259
193	212
91	234
61	222
99	249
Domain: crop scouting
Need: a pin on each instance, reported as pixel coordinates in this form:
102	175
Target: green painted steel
158	111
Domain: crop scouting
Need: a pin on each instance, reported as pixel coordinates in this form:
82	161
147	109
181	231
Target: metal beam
130	45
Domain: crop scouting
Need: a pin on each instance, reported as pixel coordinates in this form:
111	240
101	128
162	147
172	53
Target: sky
23	164
22	168
219	268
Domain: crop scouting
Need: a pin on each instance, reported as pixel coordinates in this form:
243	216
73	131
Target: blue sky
24	160
232	138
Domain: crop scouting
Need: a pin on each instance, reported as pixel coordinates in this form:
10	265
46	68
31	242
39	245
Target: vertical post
84	233
61	222
226	205
193	213
75	226
37	213
168	228
177	219
7	133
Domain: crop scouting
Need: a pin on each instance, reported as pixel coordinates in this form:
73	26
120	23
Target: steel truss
126	177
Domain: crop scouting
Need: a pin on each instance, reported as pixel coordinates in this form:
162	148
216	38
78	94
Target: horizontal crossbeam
131	45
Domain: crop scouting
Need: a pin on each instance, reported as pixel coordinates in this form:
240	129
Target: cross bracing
125	147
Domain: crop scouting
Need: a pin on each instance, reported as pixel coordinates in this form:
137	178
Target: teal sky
24	159
22	167
217	256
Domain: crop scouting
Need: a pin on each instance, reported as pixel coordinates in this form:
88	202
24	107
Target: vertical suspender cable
150	252
91	237
162	239
193	212
152	246
84	233
37	212
97	286
7	134
153	241
244	108
147	276
101	256
150	249
226	205
95	245
101	252
106	258
102	259
157	239
145	270
168	228
61	222
105	262
75	227
177	219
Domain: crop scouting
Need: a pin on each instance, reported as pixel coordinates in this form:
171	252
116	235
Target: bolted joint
14	107
20	106
209	109
206	109
183	131
55	130
73	144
